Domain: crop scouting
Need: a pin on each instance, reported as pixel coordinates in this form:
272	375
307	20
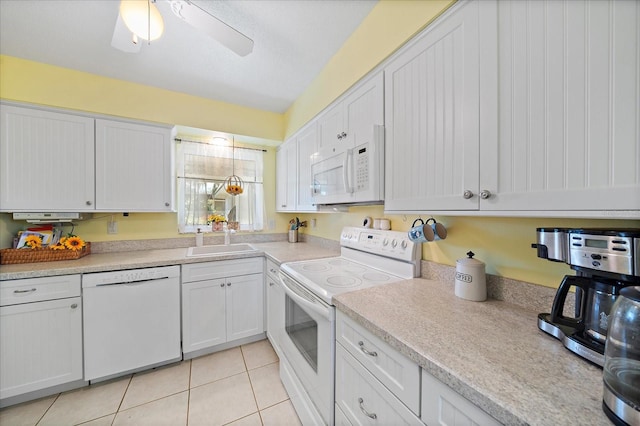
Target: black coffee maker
605	261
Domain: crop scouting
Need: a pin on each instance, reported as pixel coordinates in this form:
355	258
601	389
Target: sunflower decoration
33	241
216	218
71	242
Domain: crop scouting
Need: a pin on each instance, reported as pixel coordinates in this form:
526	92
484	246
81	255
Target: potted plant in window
217	221
233	224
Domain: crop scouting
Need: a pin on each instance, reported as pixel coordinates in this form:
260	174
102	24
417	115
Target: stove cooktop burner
375	276
343	281
315	267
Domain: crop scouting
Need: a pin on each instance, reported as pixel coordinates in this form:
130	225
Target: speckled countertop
277	251
490	352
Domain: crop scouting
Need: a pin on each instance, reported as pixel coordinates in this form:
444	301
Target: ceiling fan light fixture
143	18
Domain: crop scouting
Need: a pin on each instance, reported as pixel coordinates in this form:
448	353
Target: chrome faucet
227	235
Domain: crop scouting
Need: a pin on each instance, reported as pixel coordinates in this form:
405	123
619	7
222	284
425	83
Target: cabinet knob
167	204
228	284
467	194
364	411
222	285
339	136
88	203
283	205
73	306
484	194
271	284
343	135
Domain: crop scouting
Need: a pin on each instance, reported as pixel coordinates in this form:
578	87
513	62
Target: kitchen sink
220	249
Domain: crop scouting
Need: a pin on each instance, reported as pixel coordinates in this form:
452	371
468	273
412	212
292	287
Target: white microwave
352	174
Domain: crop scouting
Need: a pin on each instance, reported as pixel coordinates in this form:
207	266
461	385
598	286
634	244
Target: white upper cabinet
568	135
286	176
517	108
307	144
293	171
432	95
58	161
350	121
133	167
47	160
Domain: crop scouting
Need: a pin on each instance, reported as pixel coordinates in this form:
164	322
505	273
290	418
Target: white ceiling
293	40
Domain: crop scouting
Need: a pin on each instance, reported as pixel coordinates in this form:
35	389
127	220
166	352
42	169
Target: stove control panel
393	244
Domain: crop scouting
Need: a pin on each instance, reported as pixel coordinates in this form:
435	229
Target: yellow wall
503	244
389	25
28	81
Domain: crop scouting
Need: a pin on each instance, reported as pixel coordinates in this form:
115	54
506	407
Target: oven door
308	344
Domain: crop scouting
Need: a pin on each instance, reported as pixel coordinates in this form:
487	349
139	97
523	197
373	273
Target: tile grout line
189	390
253	392
47	410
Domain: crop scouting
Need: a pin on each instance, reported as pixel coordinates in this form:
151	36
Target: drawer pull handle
361	344
365	412
31	290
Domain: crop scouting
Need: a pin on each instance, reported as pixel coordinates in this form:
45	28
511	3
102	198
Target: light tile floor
239	386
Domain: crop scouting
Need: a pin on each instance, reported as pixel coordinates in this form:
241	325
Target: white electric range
306	331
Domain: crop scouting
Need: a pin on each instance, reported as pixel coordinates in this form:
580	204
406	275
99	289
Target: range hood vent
50	217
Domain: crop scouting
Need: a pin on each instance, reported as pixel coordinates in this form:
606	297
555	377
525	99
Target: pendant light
234	184
143	18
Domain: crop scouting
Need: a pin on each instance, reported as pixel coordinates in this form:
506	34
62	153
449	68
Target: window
201	171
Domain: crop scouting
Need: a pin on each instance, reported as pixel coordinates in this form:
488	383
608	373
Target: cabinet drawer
441	405
14	292
221	269
272	269
363	399
397	372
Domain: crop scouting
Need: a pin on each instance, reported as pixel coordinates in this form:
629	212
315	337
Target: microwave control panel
362	169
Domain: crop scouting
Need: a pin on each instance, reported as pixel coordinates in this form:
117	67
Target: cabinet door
47	160
286	176
364	400
245	306
432	117
441	405
40	345
330	127
363	109
569	115
203	314
133	167
275	313
307	141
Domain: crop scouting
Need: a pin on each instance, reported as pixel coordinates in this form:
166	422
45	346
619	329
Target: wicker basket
12	256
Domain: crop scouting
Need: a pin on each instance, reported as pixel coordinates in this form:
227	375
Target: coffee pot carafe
594	299
621	371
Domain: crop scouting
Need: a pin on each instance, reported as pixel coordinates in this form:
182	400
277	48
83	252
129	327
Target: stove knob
403	244
394	242
385	242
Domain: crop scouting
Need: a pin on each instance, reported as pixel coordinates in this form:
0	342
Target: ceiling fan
140	19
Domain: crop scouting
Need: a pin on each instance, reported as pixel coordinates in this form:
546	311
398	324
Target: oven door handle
305	301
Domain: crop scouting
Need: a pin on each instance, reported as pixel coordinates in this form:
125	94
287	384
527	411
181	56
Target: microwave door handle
303	301
345	172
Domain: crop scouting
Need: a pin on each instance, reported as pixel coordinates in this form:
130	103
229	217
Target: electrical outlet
112	227
313	223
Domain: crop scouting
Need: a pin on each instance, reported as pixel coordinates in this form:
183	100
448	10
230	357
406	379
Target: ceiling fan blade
123	38
212	26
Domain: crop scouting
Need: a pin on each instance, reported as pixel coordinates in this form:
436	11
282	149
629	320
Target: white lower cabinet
363	399
441	405
40	334
275	307
221	302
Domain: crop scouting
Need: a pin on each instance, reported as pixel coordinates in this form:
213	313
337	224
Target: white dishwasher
131	320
